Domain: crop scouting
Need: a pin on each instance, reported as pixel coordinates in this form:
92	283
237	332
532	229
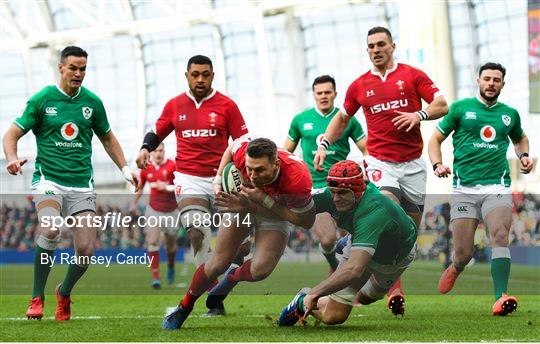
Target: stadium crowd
18	228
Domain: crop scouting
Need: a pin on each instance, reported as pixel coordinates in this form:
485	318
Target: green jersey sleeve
323	202
29	117
101	125
356	133
516	133
294	131
368	229
450	121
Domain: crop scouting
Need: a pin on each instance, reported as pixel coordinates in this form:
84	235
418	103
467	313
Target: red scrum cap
347	174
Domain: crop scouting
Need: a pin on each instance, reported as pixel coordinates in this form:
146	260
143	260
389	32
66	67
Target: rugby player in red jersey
391	95
279	194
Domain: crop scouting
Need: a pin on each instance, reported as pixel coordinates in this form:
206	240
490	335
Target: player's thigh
335	312
271	237
497	209
84	235
48	201
152	235
413	185
383	277
464	218
325	227
498	222
347	295
228	241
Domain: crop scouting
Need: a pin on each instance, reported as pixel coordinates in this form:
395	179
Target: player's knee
50	234
85	249
499	238
334	317
196	237
216	267
50	222
260	271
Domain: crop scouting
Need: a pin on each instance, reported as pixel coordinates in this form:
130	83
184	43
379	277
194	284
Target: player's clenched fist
15	167
142	158
442	171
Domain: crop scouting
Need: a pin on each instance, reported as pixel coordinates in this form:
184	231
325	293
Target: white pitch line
98	317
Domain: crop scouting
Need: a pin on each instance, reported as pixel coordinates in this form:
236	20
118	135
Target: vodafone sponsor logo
69	131
199	133
488	133
391	105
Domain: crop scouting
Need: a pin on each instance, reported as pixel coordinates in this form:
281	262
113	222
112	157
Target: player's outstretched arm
113	149
435	155
12	136
522	151
333	132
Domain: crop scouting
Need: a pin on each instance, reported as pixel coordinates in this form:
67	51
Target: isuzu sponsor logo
199	133
391	105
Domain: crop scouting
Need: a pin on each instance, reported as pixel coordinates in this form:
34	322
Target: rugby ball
232	178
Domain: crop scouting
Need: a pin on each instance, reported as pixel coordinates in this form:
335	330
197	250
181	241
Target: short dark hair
72	51
262	147
492	65
323	79
380	29
200	59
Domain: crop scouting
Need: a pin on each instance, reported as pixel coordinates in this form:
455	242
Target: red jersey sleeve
301	201
239	148
425	87
236	124
165	123
351	104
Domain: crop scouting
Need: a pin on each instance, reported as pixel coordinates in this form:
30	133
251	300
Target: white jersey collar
198	105
322	114
388	71
67	95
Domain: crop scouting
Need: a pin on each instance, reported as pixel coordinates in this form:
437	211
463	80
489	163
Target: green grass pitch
117	304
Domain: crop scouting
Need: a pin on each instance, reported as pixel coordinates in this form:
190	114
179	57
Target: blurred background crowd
19	224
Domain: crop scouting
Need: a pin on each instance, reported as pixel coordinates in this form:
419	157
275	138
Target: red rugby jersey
202	130
401	89
163	201
292	187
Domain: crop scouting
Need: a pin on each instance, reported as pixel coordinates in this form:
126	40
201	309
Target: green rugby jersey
309	127
481	141
377	224
63	127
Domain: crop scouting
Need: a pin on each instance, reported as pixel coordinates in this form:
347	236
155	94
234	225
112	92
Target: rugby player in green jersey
63	118
481	127
382	245
307	128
